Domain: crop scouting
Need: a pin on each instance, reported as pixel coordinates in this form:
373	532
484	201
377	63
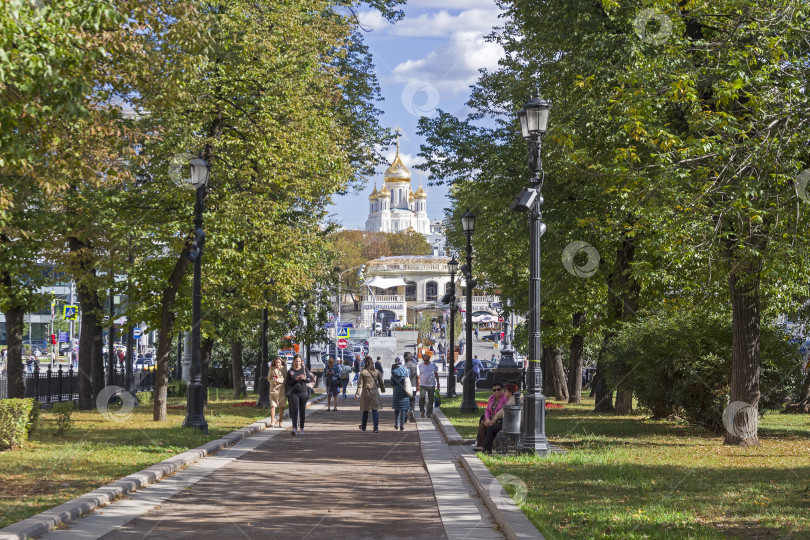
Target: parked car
144	364
346	354
494	336
487	365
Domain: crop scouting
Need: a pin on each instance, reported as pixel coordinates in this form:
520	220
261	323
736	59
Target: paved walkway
336	480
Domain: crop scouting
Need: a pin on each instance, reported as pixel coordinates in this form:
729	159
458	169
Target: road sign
343	332
137	332
63	337
70	313
342	343
500	319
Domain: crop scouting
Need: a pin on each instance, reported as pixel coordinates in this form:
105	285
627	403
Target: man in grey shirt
428	385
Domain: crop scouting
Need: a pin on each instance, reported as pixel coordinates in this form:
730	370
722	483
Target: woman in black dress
298	393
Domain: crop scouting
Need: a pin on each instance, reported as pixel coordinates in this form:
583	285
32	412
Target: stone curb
66	512
511	519
448	431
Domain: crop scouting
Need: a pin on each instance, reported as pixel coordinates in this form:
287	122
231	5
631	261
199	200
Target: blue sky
427	61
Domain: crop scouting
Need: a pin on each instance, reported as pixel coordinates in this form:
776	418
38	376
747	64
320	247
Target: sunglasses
497	389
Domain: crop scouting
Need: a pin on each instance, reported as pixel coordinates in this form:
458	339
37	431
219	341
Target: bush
176	388
14	422
678	363
33	416
63	411
144	398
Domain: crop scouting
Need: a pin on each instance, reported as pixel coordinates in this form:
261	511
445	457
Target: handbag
408	387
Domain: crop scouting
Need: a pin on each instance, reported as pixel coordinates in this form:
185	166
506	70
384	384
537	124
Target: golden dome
373	195
420	193
410	195
397	172
384	193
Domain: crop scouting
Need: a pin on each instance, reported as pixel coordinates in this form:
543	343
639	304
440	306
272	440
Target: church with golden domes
395	207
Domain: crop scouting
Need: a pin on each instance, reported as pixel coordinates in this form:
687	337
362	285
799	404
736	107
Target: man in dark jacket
356	367
412	368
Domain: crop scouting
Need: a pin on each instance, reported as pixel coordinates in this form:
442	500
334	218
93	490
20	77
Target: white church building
396	207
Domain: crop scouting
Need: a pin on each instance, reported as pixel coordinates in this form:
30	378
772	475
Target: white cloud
434	24
451	4
453	66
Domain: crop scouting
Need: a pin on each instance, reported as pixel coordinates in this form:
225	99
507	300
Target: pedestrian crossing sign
342	332
70	313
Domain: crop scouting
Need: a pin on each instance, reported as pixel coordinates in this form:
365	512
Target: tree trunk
257	373
603	397
624	401
237	372
90	371
91	360
167	318
560	387
741	416
802	405
575	362
205	359
548	376
97	354
15	321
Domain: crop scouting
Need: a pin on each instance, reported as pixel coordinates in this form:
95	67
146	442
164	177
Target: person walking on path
331	377
356	367
494	425
494	404
297	381
477	366
378	365
428	384
402	402
344	374
370	384
413	373
277	394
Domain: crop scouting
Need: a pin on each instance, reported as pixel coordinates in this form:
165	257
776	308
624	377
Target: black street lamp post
112	359
452	267
468	404
194	395
533	123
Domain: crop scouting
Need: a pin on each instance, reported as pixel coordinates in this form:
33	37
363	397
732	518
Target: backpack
344	373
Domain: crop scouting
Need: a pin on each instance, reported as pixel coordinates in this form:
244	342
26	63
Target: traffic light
360	272
53	339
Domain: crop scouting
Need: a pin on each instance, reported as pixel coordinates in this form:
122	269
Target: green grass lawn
50	470
630	477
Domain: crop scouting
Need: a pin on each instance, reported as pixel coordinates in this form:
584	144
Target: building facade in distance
413	285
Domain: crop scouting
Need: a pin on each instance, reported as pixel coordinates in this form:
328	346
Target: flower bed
244	404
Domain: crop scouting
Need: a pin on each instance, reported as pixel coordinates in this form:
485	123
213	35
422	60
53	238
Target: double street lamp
468	399
194	396
533	123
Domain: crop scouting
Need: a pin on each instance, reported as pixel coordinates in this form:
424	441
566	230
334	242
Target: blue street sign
63	337
137	332
342	332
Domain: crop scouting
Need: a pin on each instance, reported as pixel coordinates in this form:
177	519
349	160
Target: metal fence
62	384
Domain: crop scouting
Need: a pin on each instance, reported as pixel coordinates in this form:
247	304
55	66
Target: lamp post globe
468	222
195	392
452	266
